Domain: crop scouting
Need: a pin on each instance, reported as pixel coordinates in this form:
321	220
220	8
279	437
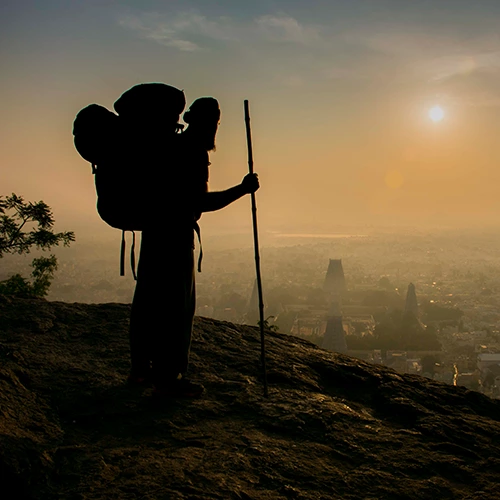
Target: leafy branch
267	326
13	237
23	226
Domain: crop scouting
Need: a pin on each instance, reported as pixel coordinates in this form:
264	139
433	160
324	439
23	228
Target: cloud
185	31
477	88
465	66
286	29
447	67
436	57
151	27
193	23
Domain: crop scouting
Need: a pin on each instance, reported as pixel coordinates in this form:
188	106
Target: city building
252	316
335	279
411	304
487	360
334	338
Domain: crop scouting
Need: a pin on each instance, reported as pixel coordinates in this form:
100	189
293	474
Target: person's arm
215	200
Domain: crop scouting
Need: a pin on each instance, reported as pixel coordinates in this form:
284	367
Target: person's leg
171	348
189	307
140	318
138	334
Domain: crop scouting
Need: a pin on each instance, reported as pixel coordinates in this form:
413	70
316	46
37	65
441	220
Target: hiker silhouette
163	306
152	179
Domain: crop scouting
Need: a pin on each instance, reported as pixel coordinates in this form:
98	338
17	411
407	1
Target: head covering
151	100
203	108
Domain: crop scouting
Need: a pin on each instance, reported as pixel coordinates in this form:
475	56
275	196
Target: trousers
163	307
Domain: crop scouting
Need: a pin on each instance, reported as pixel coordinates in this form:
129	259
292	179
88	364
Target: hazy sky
339	94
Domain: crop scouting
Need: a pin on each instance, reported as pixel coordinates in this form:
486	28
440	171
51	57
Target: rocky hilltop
333	427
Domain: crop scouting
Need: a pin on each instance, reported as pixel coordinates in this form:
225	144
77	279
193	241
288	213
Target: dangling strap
198	232
132	256
122	255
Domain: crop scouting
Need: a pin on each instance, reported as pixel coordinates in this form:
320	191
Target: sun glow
436	114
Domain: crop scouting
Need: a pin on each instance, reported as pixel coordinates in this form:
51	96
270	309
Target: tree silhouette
24	226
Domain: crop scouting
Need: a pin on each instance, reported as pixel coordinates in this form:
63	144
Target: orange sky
339	96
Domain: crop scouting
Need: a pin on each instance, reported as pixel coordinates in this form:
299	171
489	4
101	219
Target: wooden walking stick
256	248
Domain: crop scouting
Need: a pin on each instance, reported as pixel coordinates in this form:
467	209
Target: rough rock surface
332	426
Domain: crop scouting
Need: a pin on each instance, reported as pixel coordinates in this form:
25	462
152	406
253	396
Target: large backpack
114	146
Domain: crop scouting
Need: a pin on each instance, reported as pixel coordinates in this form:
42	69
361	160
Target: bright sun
436	114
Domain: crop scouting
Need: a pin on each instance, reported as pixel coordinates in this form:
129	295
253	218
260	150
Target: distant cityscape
441	349
421	303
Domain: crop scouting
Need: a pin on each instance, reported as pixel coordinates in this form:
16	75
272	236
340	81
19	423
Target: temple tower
411	300
334	339
335	279
253	313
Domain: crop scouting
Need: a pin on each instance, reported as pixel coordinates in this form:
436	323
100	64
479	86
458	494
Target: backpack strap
132	255
198	232
122	255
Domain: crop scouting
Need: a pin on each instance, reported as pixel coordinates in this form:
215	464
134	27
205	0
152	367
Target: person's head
152	106
203	117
